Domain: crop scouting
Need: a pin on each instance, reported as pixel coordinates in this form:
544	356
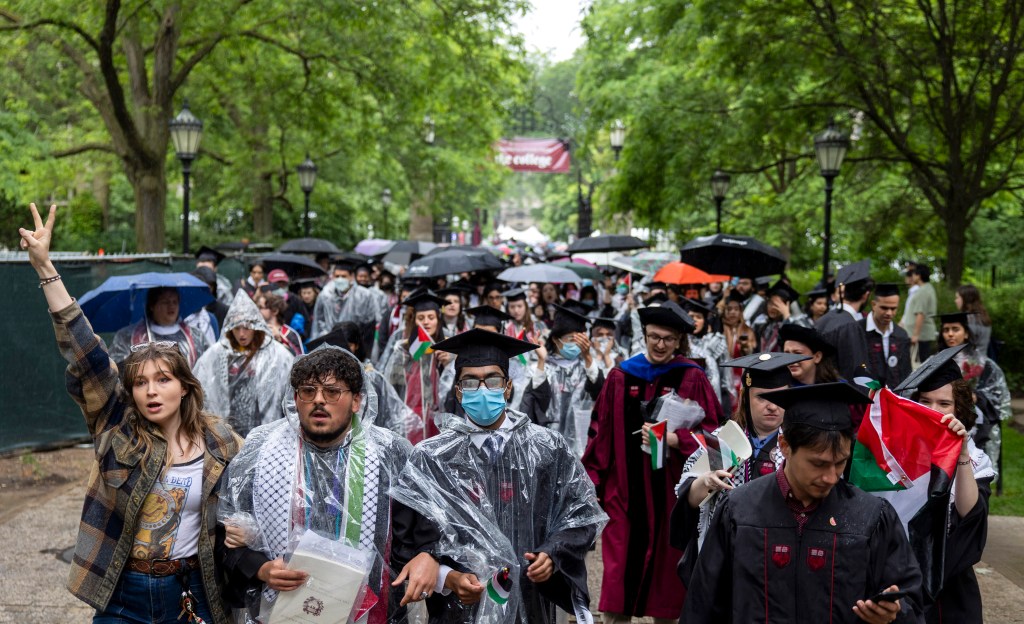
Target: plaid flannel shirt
119	482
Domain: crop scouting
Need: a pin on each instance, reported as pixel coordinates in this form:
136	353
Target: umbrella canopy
728	254
372	246
121	300
309	245
452	261
680	273
583	270
646	262
294	265
542	273
404	251
446	248
607	242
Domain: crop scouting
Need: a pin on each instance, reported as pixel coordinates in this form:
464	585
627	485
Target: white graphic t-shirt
169	521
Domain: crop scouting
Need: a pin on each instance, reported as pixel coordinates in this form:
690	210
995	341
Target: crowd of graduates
476	438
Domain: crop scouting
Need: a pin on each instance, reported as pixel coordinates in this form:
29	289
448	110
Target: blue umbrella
121	300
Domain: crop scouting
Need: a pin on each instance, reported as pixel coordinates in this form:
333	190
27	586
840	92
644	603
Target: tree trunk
421	219
956	243
262	207
150	187
101	191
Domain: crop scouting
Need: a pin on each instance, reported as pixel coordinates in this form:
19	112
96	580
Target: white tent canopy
530	236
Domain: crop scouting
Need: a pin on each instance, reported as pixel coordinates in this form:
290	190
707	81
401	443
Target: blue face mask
484	406
570	351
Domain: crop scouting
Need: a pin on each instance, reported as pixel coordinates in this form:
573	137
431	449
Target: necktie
492	448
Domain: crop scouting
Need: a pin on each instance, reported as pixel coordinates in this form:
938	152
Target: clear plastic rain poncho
280	487
571	405
533	496
993	396
243	387
421	386
711	348
358	304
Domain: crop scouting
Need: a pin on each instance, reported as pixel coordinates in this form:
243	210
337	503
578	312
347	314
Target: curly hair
963	402
323	364
276	304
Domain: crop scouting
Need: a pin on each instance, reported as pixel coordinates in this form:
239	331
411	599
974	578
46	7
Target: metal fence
35	409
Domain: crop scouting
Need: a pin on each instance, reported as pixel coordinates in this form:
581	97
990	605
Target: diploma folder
337	579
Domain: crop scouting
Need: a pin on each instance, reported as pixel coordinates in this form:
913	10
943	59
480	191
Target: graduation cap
887	289
762	282
567	321
667	314
516	294
766	370
208	254
735	295
335	337
856	272
784	291
423	301
953	317
655	299
299	284
692	305
817	293
822	406
479	347
346	262
487	315
937	371
601	321
806	335
578	307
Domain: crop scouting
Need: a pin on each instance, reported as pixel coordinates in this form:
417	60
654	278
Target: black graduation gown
860	353
960	599
832	319
755	567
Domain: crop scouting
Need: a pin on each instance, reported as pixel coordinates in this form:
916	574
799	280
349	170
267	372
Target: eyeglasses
332	394
471	383
160	344
666	340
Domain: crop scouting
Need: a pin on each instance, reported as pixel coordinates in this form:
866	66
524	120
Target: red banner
533	155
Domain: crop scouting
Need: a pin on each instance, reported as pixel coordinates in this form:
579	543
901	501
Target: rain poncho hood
358	304
534	497
245	391
279	486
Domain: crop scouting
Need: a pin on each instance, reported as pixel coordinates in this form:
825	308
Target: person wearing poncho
506	494
323	469
242	372
162	322
342	299
639	563
802	544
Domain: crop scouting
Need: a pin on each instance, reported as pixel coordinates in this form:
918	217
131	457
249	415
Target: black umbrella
444	248
607	242
309	245
728	254
295	266
452	261
405	251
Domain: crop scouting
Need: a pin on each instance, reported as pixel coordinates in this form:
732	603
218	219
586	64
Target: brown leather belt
163	567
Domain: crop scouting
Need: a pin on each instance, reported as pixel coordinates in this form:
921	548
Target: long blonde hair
195	423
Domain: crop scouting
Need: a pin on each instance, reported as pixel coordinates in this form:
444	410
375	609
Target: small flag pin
832	521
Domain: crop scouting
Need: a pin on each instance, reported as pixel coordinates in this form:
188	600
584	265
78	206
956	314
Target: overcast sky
553	26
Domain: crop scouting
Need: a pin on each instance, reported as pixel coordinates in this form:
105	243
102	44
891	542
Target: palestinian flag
499	587
721	455
905	455
421	345
522	356
658	441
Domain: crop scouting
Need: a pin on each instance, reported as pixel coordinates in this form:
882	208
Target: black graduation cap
208	254
516	294
822	406
784	290
808	336
452	290
856	272
567	321
762	282
479	347
816	293
937	371
346	262
424	300
692	305
578	307
299	284
601	321
487	315
887	289
953	317
667	314
334	337
735	295
656	298
766	370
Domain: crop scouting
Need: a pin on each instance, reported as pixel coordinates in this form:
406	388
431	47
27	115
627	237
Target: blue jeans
144	599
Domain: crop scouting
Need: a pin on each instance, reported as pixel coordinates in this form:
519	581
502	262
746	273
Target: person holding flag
515	508
639	563
803	545
939	384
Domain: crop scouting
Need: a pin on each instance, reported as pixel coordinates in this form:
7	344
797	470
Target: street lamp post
830	148
617	136
307	178
385	200
719	187
186	132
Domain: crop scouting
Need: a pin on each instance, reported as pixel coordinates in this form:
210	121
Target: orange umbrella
680	273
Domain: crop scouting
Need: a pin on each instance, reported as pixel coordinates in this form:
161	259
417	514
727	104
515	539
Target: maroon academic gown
639	564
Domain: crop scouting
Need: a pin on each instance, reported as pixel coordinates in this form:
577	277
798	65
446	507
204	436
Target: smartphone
890	596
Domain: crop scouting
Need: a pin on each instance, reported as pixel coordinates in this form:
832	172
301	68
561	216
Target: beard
324	438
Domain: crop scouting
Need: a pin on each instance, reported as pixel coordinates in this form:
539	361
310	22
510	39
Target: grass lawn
1011	503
